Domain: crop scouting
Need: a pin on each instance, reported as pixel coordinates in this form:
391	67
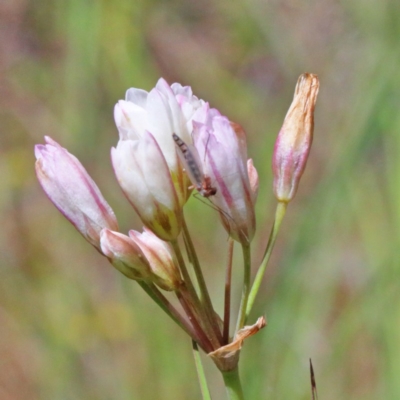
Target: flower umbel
169	143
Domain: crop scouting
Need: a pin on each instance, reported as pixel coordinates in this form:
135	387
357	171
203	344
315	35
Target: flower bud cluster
154	177
171	142
145	160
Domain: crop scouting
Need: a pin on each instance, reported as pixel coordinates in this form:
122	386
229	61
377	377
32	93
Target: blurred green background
73	328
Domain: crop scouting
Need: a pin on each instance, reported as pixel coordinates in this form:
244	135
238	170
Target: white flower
162	111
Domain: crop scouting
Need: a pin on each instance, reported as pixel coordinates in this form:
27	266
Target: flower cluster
171	143
151	171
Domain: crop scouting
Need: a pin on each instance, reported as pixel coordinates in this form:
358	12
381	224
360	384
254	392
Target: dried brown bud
294	139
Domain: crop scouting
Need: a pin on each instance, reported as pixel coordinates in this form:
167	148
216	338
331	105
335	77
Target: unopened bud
221	145
163	265
294	139
125	255
73	191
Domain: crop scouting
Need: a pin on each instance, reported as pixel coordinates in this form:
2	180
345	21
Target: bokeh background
73	328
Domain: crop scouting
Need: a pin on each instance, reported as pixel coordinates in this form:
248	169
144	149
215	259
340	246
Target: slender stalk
246	286
279	214
227	297
168	308
202	338
194	298
233	385
200	373
204	295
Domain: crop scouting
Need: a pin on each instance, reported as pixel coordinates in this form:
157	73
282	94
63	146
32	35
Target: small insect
190	159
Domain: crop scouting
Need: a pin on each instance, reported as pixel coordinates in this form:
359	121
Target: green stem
246	286
202	337
200	373
279	214
227	295
233	385
168	308
204	295
194	298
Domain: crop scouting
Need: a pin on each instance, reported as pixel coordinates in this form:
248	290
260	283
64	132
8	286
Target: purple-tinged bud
125	255
161	258
294	139
73	191
222	148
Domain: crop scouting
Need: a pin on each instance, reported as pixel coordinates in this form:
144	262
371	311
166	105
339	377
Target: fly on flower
190	159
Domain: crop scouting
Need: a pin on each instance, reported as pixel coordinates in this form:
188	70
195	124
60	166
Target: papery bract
223	151
161	259
143	175
294	139
72	190
226	357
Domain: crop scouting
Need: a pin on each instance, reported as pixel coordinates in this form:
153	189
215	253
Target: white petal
137	96
130	177
130	119
161	125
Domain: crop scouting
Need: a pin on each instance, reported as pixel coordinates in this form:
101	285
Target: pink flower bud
160	257
73	192
125	255
294	139
222	148
144	177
